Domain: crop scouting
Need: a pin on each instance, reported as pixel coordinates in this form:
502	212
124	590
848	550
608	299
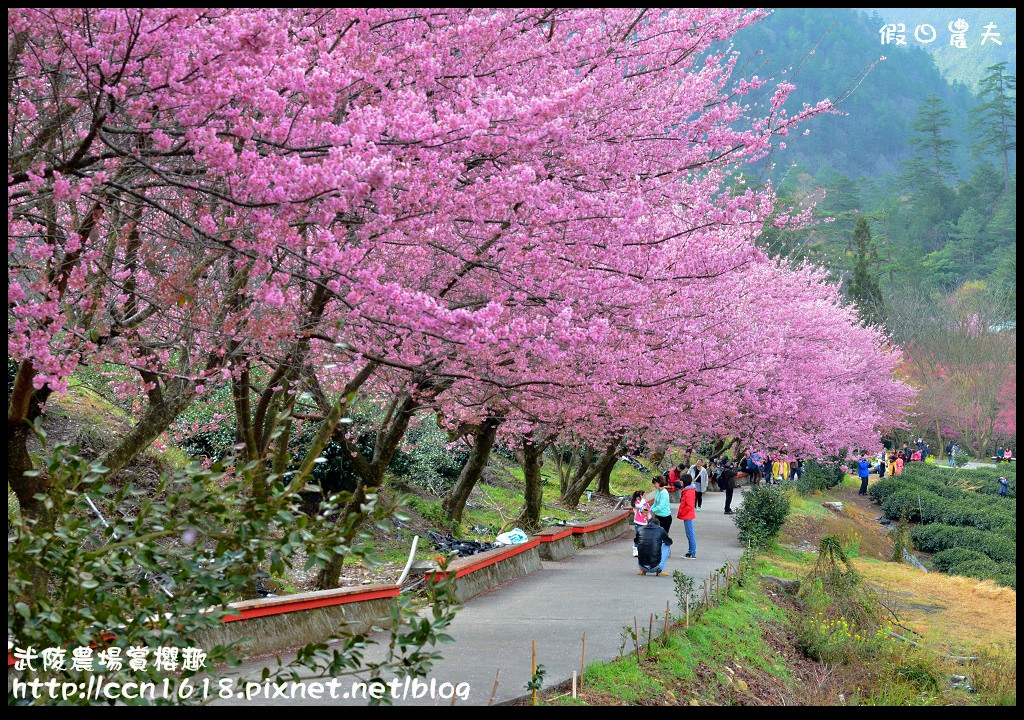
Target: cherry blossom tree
532	222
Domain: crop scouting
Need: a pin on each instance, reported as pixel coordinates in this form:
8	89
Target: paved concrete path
598	592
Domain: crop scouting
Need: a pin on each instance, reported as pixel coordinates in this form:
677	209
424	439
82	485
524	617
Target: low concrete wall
603	529
556	543
272	624
481	572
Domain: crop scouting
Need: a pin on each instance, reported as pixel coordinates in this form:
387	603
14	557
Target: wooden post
687	611
583	659
494	690
664	634
533	672
650	634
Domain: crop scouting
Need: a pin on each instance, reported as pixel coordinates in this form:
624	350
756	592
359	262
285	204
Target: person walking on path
655	548
1004	487
687	514
863	470
699	473
952	455
754	468
641	516
660	504
727	481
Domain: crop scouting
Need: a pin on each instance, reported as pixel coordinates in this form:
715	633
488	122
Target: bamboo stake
494	690
533	672
583	659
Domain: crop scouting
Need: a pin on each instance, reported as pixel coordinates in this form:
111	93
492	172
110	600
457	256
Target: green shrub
982	569
939	536
157	564
885	487
761	516
946	559
819	475
903	503
1007	576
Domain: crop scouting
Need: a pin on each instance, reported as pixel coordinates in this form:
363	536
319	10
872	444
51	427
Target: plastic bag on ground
512	537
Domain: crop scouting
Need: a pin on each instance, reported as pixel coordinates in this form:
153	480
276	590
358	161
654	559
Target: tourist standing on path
687	514
655	548
864	470
899	464
794	469
754	468
727	480
660	504
700	481
641	516
952	455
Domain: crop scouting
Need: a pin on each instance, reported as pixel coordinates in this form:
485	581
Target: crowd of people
652	515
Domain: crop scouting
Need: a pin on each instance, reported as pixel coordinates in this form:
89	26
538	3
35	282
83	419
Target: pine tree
994	121
931	164
865	290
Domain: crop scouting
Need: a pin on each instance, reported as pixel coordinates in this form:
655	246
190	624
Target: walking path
598	592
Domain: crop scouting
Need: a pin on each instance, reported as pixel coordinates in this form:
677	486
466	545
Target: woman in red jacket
687	514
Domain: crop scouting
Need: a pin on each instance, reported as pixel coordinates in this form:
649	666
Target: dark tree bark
455	504
657	456
370	472
571	497
531	457
604	479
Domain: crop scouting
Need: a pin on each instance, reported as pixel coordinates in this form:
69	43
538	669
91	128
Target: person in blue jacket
863	470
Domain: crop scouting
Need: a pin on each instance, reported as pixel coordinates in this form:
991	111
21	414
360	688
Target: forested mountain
965	65
915	189
930	165
872	138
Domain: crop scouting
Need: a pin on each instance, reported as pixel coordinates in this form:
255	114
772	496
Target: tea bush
973	532
938	536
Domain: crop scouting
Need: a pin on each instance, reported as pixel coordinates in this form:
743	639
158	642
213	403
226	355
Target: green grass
809	505
729	634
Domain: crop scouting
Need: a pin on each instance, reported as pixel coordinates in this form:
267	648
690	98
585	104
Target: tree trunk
737	452
157	418
370	473
455	504
604	479
531	457
22	409
657	456
571	497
